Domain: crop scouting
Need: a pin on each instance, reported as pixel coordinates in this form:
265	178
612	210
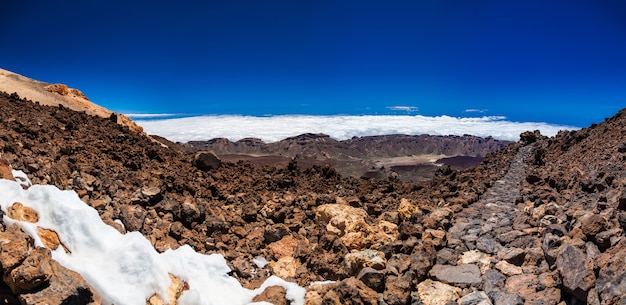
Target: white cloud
150	115
403	108
275	128
476	110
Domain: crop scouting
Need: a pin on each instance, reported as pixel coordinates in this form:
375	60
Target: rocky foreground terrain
540	221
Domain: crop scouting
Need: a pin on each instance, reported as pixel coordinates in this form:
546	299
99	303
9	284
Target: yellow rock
285	267
407	209
173	293
20	212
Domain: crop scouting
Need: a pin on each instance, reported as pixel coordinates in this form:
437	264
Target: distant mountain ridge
359	156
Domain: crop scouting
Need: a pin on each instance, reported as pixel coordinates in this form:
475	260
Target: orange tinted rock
174	291
5	170
283	247
20	212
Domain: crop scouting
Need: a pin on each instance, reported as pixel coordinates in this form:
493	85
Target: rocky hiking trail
481	235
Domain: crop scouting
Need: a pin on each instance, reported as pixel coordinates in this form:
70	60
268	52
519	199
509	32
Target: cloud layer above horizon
276	128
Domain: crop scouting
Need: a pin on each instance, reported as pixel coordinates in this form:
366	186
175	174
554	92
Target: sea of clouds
340	127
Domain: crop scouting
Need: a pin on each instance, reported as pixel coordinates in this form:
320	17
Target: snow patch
125	268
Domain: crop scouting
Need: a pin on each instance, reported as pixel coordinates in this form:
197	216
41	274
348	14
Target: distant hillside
58	95
410	157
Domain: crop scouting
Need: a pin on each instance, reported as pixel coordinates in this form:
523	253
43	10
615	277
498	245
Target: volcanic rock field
538	221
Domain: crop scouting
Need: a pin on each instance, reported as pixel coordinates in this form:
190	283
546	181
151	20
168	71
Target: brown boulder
65	287
577	273
15	247
274	294
5	170
592	224
352	292
206	161
35	271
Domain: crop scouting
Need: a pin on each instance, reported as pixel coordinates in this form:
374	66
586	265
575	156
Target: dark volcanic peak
541	220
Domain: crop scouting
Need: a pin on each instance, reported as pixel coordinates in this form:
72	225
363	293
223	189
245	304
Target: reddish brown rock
34	272
15	247
274	294
5	170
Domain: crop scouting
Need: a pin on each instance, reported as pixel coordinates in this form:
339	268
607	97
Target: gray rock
514	256
505	298
509	236
550	246
372	278
446	256
487	245
467	274
493	280
576	271
475	298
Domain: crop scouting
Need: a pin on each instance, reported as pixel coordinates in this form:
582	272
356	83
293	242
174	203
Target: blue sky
561	62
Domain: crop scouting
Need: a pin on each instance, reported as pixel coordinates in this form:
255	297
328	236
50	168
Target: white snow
260	261
125	268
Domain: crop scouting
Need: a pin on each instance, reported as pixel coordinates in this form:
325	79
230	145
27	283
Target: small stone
435	293
505	298
283	247
276	295
475	298
397	289
353	291
463	274
592	224
476	257
357	260
508	268
493	280
50	239
514	256
174	291
372	278
5	170
285	267
509	236
15	247
20	212
436	237
523	284
487	245
407	209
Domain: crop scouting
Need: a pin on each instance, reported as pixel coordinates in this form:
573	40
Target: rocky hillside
410	158
540	221
58	94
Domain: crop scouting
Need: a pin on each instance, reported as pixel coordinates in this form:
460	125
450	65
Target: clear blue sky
560	62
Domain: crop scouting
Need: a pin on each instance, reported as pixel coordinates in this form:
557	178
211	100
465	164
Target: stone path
490	258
